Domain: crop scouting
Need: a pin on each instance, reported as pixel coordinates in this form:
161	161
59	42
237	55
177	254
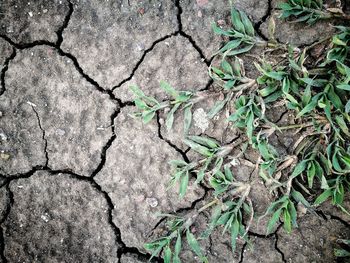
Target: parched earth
83	181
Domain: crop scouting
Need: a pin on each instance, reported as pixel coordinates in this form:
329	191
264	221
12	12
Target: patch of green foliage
242	34
309	11
344	251
317	167
176	227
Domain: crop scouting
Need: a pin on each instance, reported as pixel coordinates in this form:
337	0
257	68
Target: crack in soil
86	76
242	252
251	233
122	248
278	249
208	85
138	64
43	136
269	236
66	20
109	143
196	47
63	54
328	216
181	152
189	37
59	33
154	44
262	20
5	68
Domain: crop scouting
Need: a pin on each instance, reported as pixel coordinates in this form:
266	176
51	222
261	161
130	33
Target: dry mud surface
82	181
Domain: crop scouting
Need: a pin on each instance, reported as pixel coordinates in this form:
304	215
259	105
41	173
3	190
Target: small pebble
152	202
60	132
3	137
45	217
221	22
30	14
4	156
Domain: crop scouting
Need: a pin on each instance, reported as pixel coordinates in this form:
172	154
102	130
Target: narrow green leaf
236	21
272	222
307	95
178	245
177	163
341	253
309	107
287	223
228	173
226	67
147	116
140	104
342	124
170	117
240	50
234	234
230	45
311	171
169	89
183	185
344	87
193	243
299	168
250	124
187	119
219	105
298	197
198	148
205	141
201	173
184	96
248	26
219	31
347	107
314	82
323	197
275	75
223	218
167	255
137	91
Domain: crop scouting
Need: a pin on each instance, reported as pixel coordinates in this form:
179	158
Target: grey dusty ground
82	181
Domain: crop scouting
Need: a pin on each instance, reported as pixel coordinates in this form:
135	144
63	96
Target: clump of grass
317	167
177	226
242	34
309	11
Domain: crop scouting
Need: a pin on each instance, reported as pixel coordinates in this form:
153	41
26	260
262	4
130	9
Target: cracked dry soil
82	181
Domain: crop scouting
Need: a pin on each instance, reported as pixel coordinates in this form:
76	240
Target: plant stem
215	201
336	16
303	125
318	42
294	126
